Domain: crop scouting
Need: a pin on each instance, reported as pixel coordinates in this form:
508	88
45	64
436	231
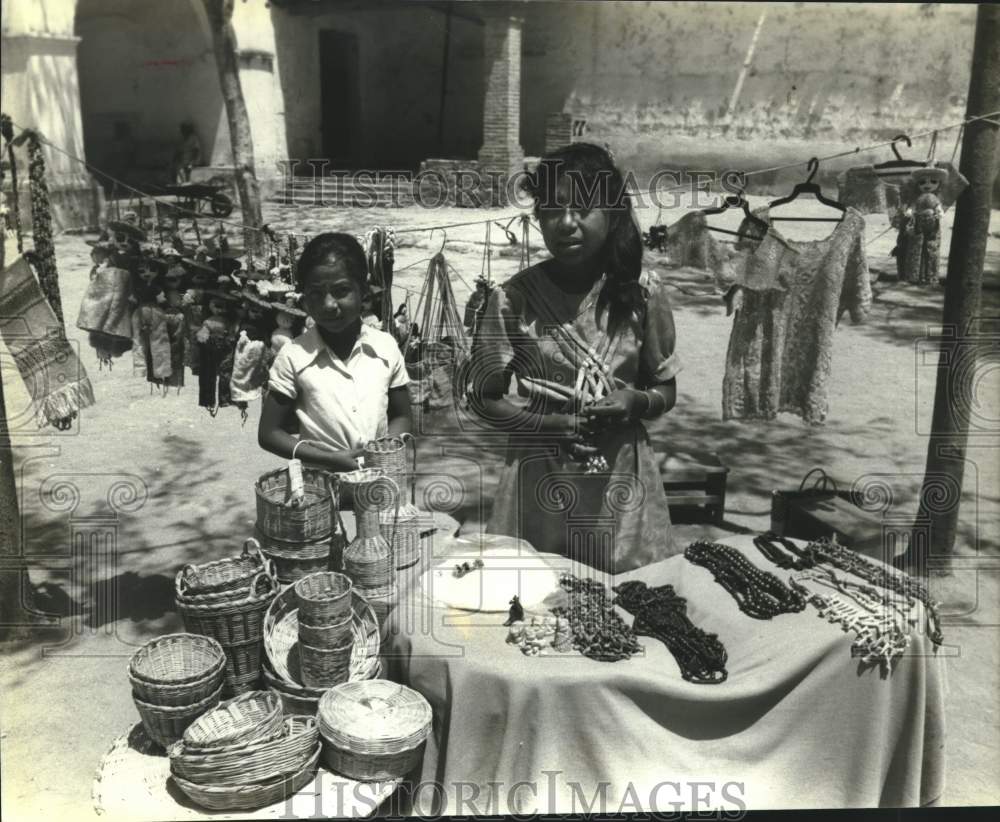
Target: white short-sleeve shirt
342	403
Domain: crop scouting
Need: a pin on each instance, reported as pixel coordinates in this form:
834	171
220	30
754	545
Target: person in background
188	154
342	380
580	476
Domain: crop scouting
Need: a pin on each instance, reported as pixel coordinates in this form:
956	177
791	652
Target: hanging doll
252	357
215	341
919	245
200	276
287	318
174	280
106	309
150	340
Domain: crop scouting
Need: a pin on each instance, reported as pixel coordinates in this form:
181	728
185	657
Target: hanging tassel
41	226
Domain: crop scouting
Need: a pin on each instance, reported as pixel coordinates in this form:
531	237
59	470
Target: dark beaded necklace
597	631
662	614
759	594
826	550
767	544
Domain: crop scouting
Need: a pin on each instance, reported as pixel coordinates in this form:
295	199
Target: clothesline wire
857	150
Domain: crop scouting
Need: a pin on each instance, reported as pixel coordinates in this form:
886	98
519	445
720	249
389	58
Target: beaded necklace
662	614
759	594
597	631
880	629
766	544
826	550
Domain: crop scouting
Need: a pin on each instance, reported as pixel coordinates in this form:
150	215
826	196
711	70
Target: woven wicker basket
245	719
231	621
389	455
248	797
243	664
325	667
312	520
324	599
298	700
373	730
281	638
294	560
223	575
167	724
325	636
250	763
177	669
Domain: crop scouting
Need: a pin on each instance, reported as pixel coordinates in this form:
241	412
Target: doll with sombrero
252	356
289	320
175	283
106	308
151	356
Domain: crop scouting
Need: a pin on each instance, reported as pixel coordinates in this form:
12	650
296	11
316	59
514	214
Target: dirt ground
182	484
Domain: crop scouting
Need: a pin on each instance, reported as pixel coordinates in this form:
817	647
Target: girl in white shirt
342	382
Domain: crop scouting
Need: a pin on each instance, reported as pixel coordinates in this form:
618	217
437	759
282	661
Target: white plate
505	572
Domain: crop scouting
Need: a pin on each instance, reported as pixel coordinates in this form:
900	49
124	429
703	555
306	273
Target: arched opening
144	69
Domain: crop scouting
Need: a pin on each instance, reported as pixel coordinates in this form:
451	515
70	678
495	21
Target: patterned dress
614	520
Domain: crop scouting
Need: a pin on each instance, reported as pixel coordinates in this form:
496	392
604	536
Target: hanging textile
441	349
791	296
41	225
378	245
54	376
861	188
689	243
106	312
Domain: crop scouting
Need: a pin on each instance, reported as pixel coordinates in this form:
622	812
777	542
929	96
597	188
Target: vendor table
798	724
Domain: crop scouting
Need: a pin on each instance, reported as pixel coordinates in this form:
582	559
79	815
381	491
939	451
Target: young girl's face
331	296
574	232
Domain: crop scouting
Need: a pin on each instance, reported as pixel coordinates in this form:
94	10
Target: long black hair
596	181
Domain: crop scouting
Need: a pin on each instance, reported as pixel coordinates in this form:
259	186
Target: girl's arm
398	414
276	415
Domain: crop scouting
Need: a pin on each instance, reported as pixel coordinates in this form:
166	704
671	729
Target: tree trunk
220	18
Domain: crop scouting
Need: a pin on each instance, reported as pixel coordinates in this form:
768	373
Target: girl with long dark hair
589	340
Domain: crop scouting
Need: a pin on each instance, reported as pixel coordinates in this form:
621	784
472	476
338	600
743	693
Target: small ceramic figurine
516	612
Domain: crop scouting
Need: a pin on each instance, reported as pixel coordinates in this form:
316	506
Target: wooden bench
695	479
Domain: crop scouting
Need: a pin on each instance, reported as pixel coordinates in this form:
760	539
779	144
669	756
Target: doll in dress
174	280
216	340
150	340
918	245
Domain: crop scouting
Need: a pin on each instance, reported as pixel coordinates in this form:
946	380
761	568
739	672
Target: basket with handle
165	724
368	559
281	639
177	669
231	621
249	762
241	720
280	787
324	598
312	519
222	576
373	730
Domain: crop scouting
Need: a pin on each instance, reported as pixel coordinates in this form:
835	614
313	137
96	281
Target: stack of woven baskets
283	669
175	679
245	754
373	730
226	600
302	539
325	636
388	454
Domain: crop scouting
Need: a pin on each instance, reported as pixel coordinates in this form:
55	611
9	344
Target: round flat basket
373	730
281	638
177	669
311	520
251	763
249	797
246	718
166	724
223	575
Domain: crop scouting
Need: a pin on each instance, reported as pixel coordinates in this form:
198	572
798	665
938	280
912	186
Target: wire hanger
809	187
898	167
736	200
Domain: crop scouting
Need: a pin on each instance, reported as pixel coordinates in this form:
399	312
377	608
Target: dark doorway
339	97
